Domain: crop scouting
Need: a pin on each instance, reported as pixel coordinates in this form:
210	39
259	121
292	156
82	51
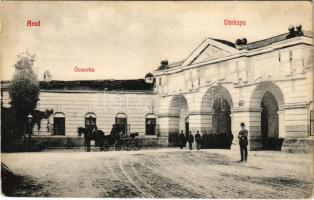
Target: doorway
221	123
270	123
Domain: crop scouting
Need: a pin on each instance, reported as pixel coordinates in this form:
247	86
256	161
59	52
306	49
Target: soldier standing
243	142
229	138
203	146
182	140
190	140
198	140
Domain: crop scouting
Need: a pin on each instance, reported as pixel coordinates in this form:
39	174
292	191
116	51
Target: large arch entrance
266	134
179	112
269	122
221	123
217	104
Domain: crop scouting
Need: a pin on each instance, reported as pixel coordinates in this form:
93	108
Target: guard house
127	104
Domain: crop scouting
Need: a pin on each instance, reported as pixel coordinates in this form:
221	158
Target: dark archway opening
179	110
270	123
221	124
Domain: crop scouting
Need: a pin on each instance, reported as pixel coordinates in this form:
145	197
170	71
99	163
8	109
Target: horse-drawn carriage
123	141
117	139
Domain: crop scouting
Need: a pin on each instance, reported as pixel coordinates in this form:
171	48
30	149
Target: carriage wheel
106	145
106	148
117	146
127	145
137	144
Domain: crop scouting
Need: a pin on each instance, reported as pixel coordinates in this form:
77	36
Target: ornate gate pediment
209	49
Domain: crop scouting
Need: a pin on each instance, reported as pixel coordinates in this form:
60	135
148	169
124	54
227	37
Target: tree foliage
24	88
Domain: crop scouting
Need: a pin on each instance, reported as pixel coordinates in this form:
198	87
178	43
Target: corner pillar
168	128
281	119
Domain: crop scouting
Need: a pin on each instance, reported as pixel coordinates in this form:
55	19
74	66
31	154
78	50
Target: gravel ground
162	173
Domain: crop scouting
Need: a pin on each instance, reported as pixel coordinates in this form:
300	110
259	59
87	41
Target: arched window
121	123
150	124
90	120
59	124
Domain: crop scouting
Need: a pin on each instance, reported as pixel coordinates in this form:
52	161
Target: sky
126	40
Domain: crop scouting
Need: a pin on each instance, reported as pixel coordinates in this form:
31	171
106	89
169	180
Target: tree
24	90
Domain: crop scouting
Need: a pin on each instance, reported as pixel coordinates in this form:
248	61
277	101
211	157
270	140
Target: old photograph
157	99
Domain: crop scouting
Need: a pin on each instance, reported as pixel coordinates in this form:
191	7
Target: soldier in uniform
198	140
190	140
203	146
182	140
229	139
243	142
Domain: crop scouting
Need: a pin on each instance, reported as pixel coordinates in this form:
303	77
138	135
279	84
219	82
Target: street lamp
30	130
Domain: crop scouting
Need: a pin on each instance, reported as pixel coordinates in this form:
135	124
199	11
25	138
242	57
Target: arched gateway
179	112
268	97
216	108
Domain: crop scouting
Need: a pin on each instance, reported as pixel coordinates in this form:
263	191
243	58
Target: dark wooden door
59	126
150	126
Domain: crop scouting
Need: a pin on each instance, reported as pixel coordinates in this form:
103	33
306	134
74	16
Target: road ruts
201	177
166	173
121	186
180	177
162	183
253	185
135	181
232	187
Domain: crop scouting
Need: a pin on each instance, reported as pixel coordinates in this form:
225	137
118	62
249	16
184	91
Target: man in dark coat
243	142
198	140
229	138
182	140
203	146
190	140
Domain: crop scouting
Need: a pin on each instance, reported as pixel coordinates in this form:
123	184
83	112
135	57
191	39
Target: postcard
157	99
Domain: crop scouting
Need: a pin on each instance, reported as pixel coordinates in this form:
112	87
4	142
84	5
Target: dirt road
162	173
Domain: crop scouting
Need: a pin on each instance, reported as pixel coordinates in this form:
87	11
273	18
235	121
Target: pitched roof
172	65
269	41
97	85
250	46
230	44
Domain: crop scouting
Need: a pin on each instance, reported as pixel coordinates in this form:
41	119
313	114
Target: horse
98	136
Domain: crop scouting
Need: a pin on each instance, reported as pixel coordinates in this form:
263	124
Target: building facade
267	84
129	104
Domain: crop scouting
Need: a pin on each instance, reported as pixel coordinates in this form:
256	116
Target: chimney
241	43
163	64
299	31
292	32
